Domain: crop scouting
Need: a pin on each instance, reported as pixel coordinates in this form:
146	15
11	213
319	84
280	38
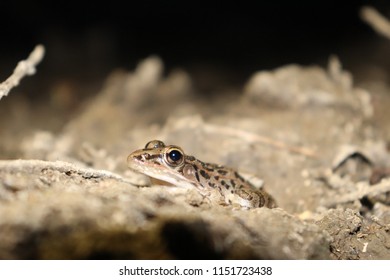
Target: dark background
219	43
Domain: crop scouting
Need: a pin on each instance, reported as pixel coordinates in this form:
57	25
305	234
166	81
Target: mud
319	142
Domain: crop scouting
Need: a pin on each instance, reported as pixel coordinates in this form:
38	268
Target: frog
222	185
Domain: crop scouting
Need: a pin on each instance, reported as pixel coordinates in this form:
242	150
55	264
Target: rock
65	212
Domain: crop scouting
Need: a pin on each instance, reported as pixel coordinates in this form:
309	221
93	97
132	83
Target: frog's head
157	160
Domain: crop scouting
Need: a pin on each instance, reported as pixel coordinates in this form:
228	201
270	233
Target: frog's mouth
158	171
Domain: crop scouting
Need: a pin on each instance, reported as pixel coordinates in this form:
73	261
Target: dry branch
255	138
36	166
24	68
363	189
378	22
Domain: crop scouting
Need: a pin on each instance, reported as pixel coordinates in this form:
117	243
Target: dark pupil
175	155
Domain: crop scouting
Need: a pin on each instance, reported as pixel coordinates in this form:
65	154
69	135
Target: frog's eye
154	144
174	156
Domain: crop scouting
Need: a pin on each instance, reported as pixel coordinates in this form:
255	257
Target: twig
378	22
363	190
36	166
252	137
24	68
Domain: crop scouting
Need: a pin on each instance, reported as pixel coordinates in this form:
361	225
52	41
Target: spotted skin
221	184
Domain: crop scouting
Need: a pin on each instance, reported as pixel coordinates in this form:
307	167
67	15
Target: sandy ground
320	143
